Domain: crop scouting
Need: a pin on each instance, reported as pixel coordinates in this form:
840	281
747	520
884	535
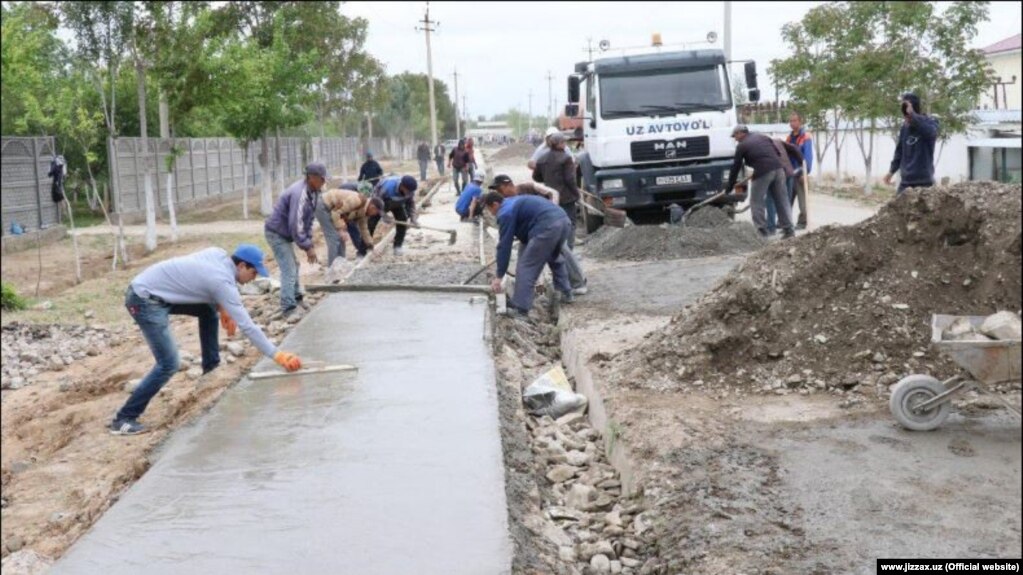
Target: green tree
853	59
30	62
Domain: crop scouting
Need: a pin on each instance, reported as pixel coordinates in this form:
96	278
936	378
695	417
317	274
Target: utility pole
465	110
458	122
728	31
529	128
426	22
589	49
550	96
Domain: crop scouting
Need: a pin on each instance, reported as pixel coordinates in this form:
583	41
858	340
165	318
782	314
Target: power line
426	22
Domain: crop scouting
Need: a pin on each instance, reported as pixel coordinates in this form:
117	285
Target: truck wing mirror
754	95
751	75
571	110
573	89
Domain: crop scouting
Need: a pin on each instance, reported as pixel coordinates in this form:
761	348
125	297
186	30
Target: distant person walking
914	153
757	151
801	139
202	285
438	156
291	224
458	161
470	146
423	155
370	171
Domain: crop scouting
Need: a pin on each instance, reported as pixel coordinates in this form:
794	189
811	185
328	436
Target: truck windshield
679	90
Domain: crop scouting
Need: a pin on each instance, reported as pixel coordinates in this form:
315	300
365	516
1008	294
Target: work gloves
288	361
227	323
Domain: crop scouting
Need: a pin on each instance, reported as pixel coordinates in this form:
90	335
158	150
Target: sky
504	50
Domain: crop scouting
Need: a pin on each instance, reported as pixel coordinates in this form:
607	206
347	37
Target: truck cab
656	128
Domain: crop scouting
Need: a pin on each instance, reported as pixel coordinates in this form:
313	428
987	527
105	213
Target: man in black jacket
423	155
914	154
556	169
370	170
757	151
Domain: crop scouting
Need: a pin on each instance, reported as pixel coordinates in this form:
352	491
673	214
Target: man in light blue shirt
466	203
199	285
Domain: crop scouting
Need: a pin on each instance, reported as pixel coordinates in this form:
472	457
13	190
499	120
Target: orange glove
288	361
227	323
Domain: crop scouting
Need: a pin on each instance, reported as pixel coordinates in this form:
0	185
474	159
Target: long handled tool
614	218
479	271
710	200
452	234
306	371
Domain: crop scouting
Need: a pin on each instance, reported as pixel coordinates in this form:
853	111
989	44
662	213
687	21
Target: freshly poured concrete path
396	469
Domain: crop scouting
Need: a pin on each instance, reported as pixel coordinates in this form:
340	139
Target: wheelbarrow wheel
910	392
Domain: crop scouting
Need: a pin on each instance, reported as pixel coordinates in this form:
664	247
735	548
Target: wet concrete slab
395	469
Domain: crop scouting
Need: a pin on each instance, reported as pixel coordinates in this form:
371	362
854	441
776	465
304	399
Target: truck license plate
668	180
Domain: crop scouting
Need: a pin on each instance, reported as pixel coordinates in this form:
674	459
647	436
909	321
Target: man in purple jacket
292	223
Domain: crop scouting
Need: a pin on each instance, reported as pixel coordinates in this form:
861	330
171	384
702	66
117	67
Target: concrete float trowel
312	367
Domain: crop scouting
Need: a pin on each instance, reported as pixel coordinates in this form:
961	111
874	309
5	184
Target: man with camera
914	154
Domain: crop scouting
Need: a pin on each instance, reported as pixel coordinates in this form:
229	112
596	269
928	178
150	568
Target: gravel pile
453	273
705	234
845	308
28	350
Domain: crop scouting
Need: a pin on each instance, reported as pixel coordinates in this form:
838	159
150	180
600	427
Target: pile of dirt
845	307
453	273
517	151
706	233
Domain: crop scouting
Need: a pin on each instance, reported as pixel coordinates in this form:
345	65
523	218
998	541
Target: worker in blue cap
202	285
398	194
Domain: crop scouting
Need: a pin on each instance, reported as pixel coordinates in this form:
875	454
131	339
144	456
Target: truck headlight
618	201
615	184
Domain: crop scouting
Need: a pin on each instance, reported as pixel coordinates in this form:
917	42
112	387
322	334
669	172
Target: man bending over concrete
542	228
199	285
346	209
504	185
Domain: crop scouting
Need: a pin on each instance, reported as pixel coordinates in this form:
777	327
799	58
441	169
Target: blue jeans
284	253
153	318
422	169
440	166
772	210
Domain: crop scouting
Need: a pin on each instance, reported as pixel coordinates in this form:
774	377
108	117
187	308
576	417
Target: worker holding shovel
398	195
199	285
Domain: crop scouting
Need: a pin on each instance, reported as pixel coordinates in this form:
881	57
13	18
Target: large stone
25	562
579	496
556	535
561	473
14	543
577	458
600	547
570	419
129	386
567	554
194	373
235	348
600	564
56	363
564	513
1003	325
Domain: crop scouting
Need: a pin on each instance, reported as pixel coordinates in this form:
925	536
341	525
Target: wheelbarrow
921	403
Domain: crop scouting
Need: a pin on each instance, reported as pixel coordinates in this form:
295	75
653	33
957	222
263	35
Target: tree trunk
265	199
170	206
245	182
140	72
278	163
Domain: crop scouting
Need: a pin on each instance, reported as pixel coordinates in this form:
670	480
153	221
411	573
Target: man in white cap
199	285
544	148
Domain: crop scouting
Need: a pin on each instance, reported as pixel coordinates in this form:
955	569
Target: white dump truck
656	129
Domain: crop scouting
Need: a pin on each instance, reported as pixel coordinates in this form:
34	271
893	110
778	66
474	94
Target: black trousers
397	209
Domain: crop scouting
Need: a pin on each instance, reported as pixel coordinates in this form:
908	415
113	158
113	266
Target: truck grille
673	149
